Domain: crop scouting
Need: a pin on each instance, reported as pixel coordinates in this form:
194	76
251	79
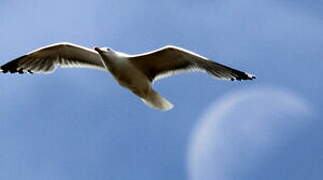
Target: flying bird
134	72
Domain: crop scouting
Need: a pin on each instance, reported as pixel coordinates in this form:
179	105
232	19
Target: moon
241	135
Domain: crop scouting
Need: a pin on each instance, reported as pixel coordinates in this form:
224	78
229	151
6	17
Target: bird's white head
109	52
108	55
104	50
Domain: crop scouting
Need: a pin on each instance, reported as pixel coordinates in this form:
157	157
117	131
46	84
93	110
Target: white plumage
135	72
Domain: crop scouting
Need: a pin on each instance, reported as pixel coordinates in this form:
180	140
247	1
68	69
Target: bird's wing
171	60
46	59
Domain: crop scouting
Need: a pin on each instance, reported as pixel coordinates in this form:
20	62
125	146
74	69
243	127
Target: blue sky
79	124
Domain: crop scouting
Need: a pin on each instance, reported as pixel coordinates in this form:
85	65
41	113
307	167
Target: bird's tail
154	100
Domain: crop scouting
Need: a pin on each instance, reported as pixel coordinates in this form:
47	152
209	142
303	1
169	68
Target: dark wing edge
171	60
14	67
224	72
46	59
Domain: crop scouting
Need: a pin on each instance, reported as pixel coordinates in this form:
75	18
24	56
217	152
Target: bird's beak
98	49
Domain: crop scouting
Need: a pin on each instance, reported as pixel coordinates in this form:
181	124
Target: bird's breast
128	75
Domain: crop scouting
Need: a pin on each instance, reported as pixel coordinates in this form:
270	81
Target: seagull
134	72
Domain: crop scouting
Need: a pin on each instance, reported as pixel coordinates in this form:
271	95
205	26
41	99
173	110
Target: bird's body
132	78
134	72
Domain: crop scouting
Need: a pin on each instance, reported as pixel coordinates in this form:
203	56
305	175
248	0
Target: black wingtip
8	69
251	76
12	67
243	76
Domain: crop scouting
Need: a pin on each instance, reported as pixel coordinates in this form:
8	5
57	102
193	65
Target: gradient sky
79	124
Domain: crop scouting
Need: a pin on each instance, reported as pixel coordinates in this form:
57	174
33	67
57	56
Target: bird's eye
108	49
